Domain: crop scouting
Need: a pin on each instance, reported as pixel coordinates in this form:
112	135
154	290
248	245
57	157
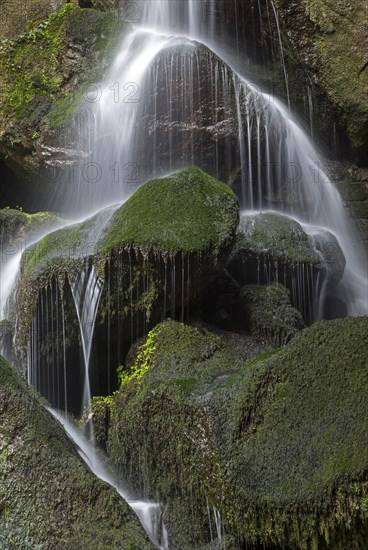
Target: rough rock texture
330	39
43	72
48	497
269	314
277	445
16	227
18	16
354	191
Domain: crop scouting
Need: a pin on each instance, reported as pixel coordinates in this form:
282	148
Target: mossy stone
276	236
189	212
278	445
48	497
269	314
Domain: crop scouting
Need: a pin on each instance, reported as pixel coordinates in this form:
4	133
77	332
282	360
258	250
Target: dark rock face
330	40
273	448
47	494
188	115
268	314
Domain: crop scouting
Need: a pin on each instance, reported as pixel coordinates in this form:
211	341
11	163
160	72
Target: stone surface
48	497
269	315
330	39
277	445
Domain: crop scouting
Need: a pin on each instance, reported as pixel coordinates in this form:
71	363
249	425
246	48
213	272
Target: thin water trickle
86	290
150	514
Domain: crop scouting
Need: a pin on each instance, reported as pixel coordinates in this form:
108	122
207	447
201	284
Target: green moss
276	236
269	313
340	43
98	34
188	211
39	83
48	497
300	458
30	63
62	249
178	461
143	362
277	444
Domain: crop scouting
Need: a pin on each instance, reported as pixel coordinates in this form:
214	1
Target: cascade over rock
271	450
271	247
152	257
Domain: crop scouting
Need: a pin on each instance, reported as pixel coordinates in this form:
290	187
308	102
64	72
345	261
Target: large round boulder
269	451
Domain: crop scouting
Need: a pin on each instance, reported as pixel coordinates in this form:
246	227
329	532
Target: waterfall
149	513
153	106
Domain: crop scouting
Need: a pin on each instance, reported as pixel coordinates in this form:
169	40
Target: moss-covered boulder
188	212
271	247
153	256
274	449
48	497
161	431
268	313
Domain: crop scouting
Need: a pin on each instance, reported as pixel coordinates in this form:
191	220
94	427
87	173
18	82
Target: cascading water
165	91
174	96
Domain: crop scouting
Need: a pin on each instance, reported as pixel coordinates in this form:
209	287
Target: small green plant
144	361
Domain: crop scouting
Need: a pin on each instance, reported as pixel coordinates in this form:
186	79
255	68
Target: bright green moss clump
30	64
188	212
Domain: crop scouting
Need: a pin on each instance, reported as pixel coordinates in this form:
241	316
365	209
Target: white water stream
150	514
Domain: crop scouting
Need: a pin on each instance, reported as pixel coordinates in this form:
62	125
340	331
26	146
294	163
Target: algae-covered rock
276	236
45	73
275	448
269	314
189	212
299	462
161	432
48	497
272	247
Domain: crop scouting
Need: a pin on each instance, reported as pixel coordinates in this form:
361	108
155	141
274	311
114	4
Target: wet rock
268	449
271	247
269	315
47	494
